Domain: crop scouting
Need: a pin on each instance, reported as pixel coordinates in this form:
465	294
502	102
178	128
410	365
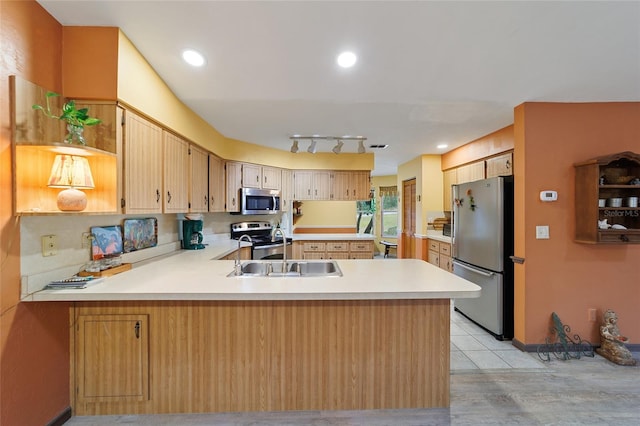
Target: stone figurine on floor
612	343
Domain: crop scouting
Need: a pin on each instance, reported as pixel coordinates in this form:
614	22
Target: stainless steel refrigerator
482	243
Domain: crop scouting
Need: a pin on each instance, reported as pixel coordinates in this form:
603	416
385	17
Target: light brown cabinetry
176	174
612	179
333	249
470	172
111	358
440	254
351	185
449	178
271	178
216	184
143	146
245	254
286	193
502	165
311	185
199	168
257	176
233	183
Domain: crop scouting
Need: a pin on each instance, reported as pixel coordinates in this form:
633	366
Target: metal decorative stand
561	345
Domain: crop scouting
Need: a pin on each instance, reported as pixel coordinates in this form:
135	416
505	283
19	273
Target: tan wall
560	275
34	337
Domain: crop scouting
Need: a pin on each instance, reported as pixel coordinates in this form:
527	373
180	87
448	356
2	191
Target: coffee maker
192	234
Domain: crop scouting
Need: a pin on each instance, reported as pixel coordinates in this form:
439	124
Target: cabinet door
142	165
360	185
271	178
342	186
234	183
322	189
199	195
176	174
286	193
302	183
501	165
361	250
216	184
449	178
471	172
112	358
251	175
434	258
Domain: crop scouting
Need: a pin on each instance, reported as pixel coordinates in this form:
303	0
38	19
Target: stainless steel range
264	245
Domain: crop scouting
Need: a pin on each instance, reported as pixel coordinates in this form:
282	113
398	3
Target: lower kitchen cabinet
111	358
334	249
440	254
245	254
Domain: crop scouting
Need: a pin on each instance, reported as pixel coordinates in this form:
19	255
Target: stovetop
260	232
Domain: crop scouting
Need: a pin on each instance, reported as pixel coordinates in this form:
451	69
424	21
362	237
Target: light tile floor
472	348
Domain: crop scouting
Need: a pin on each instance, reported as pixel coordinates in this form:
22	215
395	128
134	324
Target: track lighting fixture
312	147
337	149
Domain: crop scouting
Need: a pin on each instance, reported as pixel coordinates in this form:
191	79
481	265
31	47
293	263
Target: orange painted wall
559	275
34	338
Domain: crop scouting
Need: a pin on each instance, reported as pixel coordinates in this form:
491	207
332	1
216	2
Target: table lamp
71	172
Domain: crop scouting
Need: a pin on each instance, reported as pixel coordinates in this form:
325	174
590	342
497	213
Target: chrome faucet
238	268
275	233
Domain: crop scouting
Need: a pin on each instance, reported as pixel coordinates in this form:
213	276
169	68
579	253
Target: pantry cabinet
607	190
199	182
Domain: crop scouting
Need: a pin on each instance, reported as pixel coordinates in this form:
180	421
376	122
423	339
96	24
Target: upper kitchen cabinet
257	176
449	178
38	140
176	174
470	172
351	185
607	190
199	182
502	165
312	185
143	146
271	178
233	183
216	184
286	193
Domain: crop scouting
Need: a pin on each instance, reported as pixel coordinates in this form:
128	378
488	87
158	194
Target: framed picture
140	234
106	241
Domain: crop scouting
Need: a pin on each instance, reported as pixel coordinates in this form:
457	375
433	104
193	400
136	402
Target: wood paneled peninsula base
229	356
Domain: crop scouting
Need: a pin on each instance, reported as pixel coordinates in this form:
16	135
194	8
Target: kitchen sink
298	268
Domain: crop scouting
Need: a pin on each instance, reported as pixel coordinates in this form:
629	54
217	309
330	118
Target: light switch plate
542	232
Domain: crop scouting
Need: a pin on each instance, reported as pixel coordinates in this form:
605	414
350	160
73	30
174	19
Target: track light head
294	146
312	147
338	148
361	149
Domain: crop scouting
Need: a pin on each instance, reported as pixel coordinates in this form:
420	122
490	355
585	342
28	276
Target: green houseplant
75	118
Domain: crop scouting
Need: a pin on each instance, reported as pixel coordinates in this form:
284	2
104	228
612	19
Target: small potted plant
75	118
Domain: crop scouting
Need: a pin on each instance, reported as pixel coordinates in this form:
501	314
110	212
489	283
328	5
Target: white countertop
195	275
331	237
435	235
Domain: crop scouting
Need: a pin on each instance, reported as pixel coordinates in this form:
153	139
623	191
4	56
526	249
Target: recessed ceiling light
442	146
347	59
193	58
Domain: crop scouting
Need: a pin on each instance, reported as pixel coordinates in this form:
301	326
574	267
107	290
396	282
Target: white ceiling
427	72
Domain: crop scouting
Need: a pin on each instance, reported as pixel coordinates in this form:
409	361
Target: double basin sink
297	268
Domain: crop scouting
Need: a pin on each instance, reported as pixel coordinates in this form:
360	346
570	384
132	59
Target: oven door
271	252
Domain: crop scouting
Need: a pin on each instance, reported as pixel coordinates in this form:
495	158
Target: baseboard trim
635	347
61	418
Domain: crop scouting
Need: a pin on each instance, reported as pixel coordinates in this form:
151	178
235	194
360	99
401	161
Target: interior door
408	219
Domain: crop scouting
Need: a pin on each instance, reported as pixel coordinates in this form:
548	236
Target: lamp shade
71	172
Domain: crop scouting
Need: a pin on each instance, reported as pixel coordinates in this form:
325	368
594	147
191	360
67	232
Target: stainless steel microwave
259	201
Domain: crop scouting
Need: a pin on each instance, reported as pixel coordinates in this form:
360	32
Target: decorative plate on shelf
140	234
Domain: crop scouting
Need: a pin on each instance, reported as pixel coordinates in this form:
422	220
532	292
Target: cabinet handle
508	164
157	195
308	192
168	197
136	329
233	201
205	200
258	179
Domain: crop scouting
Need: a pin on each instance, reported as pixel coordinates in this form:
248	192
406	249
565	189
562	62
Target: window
365	211
389	211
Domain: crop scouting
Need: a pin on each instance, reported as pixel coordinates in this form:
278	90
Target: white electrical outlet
542	232
49	245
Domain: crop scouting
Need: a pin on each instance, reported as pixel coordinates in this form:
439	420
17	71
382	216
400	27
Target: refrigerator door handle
477	271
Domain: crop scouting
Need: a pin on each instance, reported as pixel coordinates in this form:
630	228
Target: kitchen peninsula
179	335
